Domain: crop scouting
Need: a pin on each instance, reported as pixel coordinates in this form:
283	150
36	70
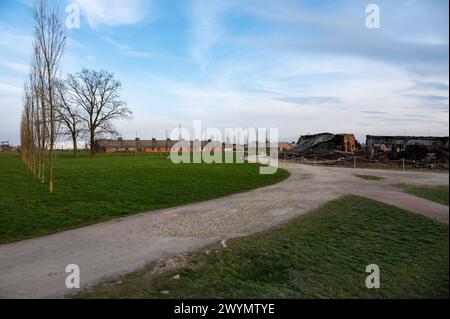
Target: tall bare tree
49	43
26	129
38	82
98	95
39	124
29	139
69	115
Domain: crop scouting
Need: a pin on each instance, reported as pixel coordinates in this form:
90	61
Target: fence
358	162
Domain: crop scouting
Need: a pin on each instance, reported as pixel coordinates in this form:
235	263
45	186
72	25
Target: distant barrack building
155	146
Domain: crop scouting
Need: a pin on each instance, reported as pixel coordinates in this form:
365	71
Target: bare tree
98	95
69	115
26	129
38	82
49	43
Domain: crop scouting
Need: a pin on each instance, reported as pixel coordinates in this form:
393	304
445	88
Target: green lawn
437	194
371	177
88	191
320	255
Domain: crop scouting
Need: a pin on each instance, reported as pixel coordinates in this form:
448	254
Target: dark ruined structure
4	146
408	147
326	144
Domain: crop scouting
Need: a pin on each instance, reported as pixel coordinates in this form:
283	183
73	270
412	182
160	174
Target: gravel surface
36	268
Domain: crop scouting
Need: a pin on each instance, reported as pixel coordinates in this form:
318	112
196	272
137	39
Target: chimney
137	139
120	139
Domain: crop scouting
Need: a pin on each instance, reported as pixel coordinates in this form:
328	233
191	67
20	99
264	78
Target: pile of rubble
5	147
327	146
413	148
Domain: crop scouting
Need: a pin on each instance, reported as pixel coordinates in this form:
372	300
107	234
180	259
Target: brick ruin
326	145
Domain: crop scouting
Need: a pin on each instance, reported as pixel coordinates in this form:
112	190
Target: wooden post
303	159
315	160
403	164
354	161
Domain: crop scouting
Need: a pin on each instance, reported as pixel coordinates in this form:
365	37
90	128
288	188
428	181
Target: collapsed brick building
285	147
326	144
409	147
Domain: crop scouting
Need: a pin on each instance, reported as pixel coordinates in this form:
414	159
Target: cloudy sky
301	66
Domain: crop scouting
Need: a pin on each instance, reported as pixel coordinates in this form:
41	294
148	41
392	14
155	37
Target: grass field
437	194
371	177
320	255
89	191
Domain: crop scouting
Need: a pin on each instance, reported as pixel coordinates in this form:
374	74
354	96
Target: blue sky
300	66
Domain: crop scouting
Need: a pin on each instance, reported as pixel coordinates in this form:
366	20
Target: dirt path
36	268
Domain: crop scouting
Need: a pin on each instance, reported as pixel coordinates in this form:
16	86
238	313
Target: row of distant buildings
165	146
375	146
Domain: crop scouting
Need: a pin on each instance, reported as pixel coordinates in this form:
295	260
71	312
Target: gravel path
36	268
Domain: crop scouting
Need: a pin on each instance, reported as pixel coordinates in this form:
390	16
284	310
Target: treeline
83	105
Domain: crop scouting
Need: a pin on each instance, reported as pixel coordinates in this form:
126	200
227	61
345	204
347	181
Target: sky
301	66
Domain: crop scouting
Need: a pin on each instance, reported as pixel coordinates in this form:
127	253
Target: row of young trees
82	105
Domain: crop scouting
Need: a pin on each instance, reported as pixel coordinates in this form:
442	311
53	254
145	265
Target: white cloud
114	12
7	88
206	26
14	41
19	67
133	53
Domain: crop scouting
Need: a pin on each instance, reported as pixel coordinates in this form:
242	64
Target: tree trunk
52	145
43	166
75	149
44	131
52	129
92	141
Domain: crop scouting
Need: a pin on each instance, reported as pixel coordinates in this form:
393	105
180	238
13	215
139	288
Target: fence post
403	164
354	161
303	159
315	160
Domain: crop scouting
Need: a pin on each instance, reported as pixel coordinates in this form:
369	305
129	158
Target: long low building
133	146
153	146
